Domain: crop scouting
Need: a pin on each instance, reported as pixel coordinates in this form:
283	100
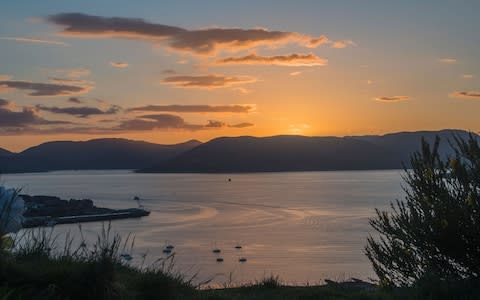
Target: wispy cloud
293	60
196	108
43	89
448	60
467	76
120	65
296	73
466	95
392	98
75	100
210	81
197	41
33	40
342	44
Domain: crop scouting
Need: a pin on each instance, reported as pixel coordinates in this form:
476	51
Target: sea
302	227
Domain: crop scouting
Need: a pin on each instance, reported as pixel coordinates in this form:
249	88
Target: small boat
238	247
216	250
242	259
219	259
167	251
169	247
136	198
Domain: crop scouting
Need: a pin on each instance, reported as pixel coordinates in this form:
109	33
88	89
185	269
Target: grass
35	268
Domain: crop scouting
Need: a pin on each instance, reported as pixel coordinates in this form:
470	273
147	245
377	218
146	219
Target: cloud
296	73
241	125
292	60
33	40
392	98
448	60
76	73
196	108
75	100
4	103
467	76
200	41
120	65
168	122
23	118
466	95
82	112
210	81
43	89
342	44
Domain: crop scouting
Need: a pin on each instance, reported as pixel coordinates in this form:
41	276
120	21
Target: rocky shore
49	210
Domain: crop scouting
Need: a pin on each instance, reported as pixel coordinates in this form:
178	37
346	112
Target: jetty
49	211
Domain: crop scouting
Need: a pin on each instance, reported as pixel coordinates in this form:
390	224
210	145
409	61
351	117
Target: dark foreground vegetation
426	247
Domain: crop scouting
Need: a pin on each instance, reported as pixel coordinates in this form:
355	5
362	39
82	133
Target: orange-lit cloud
196	108
342	44
210	81
392	98
294	60
200	41
120	65
466	95
296	73
33	40
43	89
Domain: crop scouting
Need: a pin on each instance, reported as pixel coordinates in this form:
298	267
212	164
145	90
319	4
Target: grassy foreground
35	269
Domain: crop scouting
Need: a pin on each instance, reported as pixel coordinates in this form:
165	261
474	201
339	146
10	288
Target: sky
171	71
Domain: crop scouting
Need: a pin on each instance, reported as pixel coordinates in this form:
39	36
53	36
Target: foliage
434	232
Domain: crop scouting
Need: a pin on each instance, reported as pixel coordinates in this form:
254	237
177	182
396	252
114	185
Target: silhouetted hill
93	154
300	153
4	152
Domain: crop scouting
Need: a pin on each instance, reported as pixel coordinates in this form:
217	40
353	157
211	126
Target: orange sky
166	77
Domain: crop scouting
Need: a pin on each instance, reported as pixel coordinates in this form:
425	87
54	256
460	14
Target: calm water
303	227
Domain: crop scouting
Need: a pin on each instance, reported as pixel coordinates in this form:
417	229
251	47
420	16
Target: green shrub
435	231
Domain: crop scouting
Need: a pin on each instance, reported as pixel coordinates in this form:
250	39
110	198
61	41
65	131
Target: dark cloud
24	118
196	108
466	95
207	81
75	100
43	89
81	112
168	121
392	98
201	41
4	102
292	60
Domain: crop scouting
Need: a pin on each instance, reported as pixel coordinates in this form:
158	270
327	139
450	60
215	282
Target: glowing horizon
168	73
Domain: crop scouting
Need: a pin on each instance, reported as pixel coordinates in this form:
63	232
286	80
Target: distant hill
300	153
93	154
4	152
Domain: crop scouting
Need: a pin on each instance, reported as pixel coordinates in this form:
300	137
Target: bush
435	231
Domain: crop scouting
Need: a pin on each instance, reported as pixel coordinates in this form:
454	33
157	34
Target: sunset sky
170	71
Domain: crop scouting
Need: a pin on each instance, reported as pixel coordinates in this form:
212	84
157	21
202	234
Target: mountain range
229	154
